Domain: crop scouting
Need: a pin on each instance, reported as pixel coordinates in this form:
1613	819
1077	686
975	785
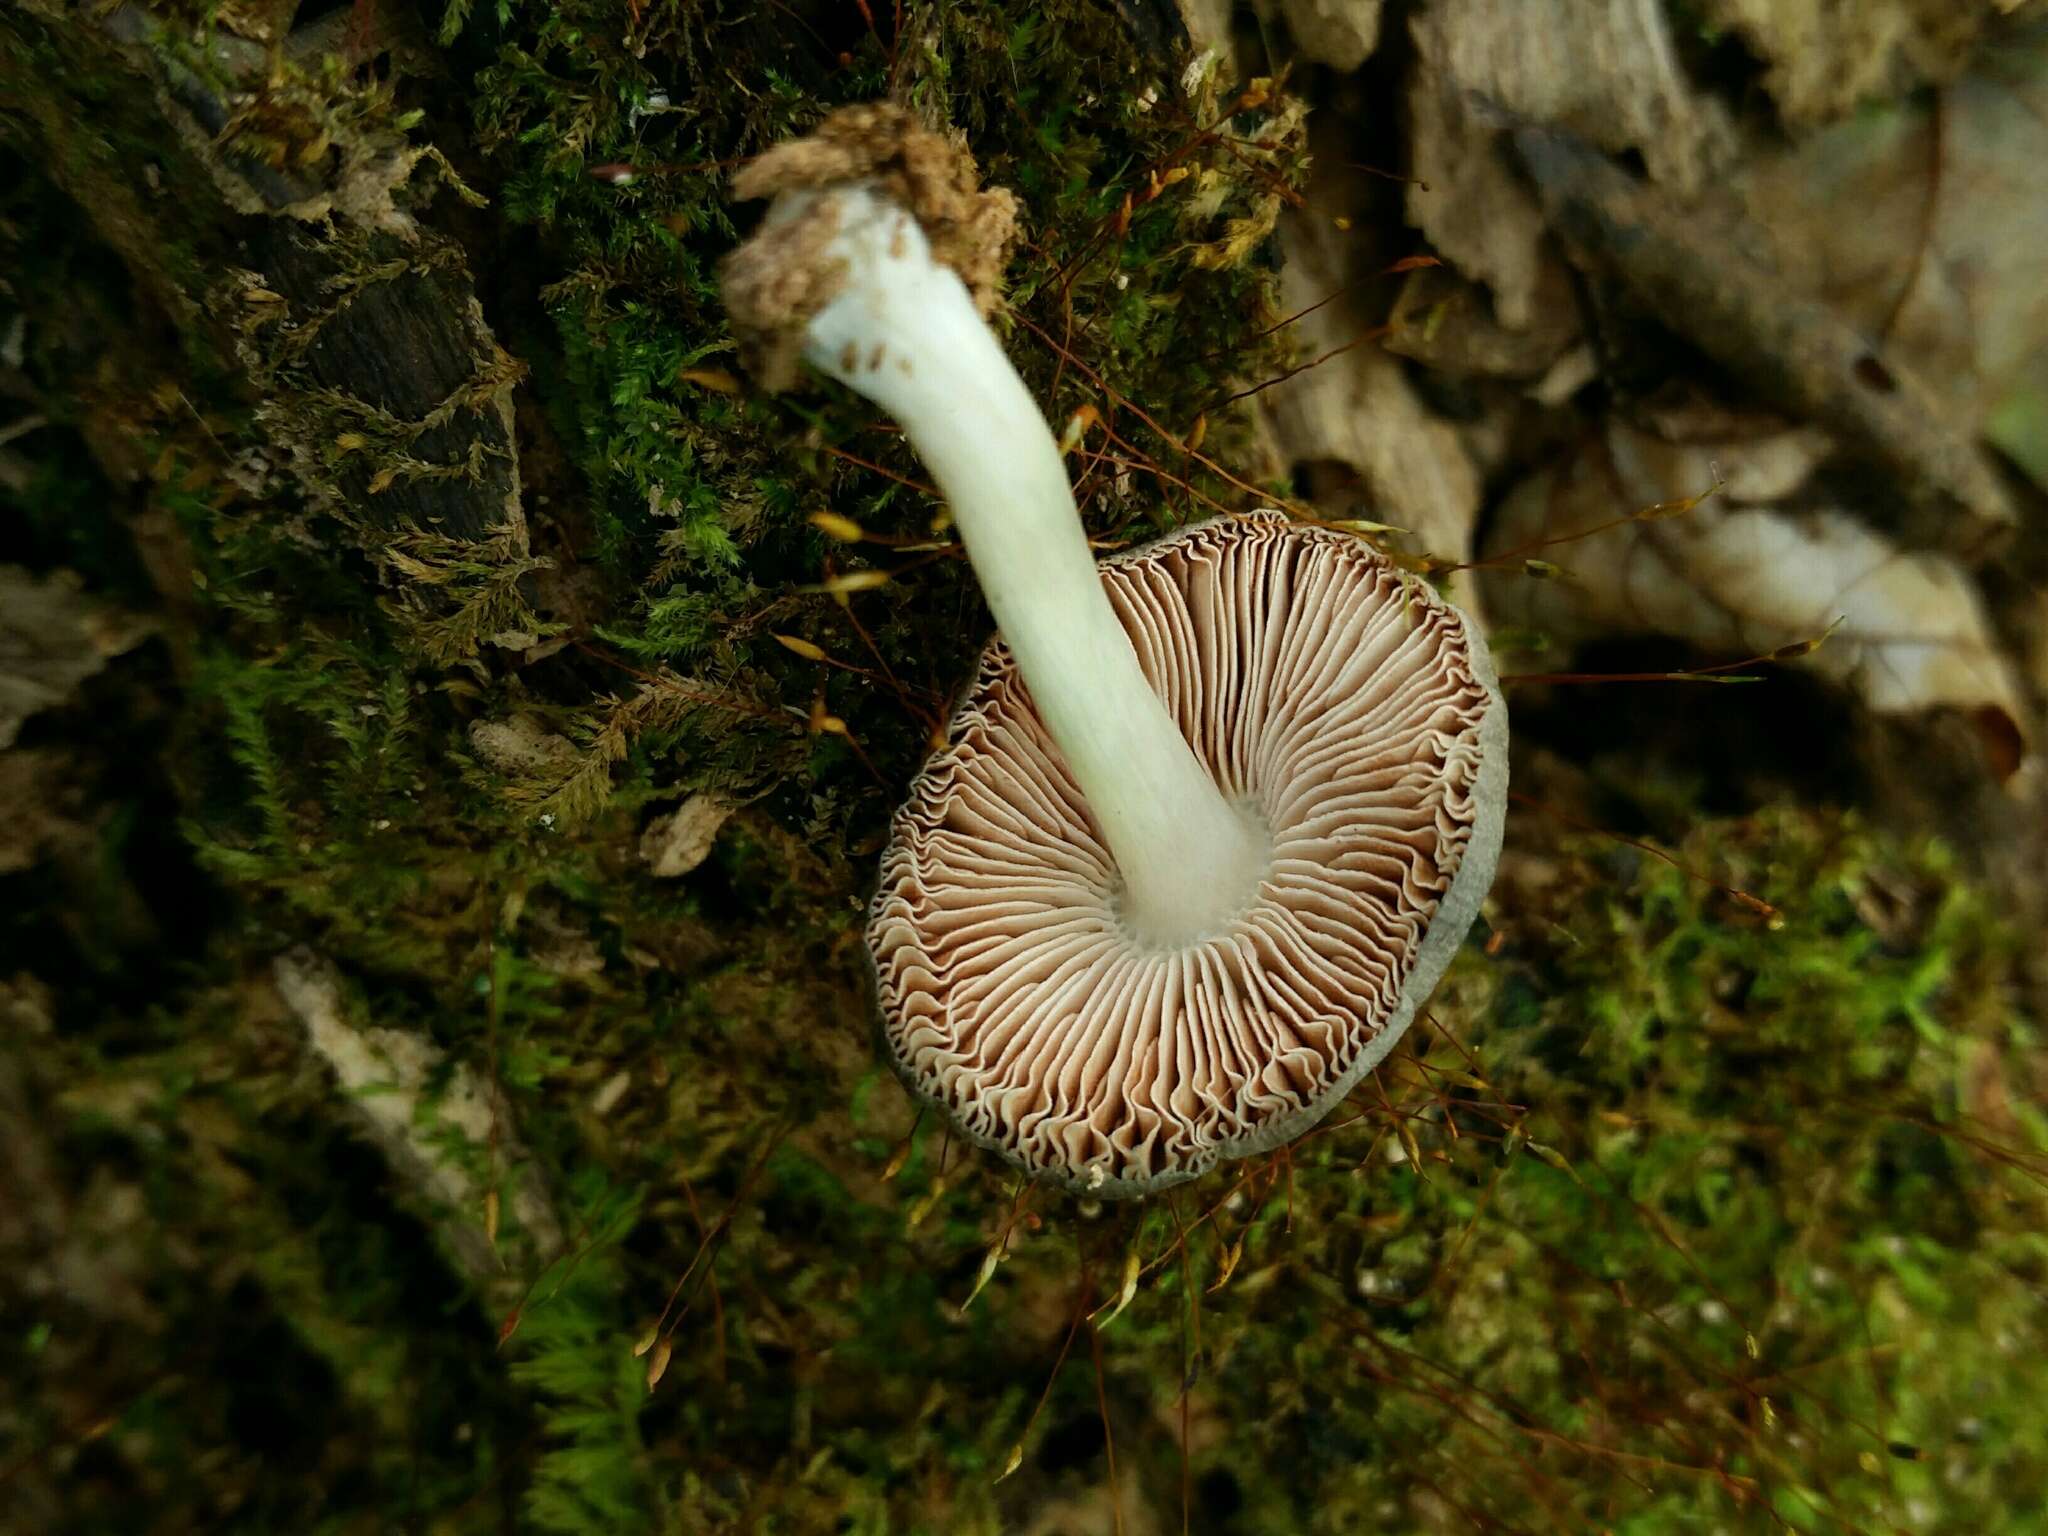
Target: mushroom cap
1343	705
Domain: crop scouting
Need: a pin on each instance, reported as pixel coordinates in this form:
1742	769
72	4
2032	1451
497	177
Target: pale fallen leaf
442	1125
1703	274
52	638
1370	446
1906	631
610	1092
521	746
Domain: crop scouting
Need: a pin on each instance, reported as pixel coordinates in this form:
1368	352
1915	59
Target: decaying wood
346	311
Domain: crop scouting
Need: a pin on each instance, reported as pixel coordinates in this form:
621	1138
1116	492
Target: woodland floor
442	761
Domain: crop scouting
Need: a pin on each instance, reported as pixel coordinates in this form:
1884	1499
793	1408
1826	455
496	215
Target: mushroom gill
1356	719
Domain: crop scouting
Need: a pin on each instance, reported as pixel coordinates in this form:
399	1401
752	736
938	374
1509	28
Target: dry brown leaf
1700	271
521	747
1448	325
677	843
1354	411
555	938
1469	200
38	790
1605	71
1923	224
1824	59
1339	33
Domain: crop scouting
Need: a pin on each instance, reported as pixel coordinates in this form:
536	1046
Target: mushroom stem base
1172	903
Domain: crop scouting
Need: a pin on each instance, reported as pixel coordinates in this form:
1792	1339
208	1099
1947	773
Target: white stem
904	332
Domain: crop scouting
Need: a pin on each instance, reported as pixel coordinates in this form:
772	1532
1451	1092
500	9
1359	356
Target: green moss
697	495
1715	1217
345	653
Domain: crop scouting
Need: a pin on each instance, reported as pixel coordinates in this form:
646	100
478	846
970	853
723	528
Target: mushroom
1212	817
